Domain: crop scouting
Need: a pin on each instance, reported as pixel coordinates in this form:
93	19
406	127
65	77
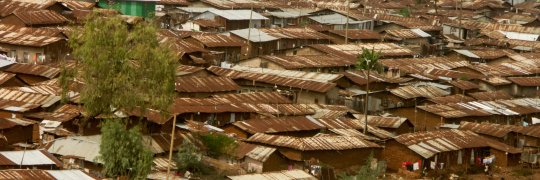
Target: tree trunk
366	103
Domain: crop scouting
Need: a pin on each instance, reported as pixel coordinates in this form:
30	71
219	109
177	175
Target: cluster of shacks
458	87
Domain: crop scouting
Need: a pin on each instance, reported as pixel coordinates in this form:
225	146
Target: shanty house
307	63
283	175
18	130
352	150
36	48
303	87
28	159
355	36
234	19
225	48
499	132
40	18
525	86
204	86
338	21
258	159
445	149
395	125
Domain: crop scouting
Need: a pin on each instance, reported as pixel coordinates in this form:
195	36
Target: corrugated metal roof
4	77
354	133
297	79
520	36
358	34
332	19
313	143
509	107
383	121
26	174
40	17
23	39
34	69
281	175
256	97
255	35
525	81
352	50
218	40
464	85
359	77
205	84
416	65
277	125
429	143
490	95
256	152
30	98
161	164
407	33
69	174
29	158
409	92
237	14
9	6
496	130
456	98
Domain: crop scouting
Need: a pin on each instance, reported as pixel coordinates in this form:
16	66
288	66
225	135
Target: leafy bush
218	144
188	158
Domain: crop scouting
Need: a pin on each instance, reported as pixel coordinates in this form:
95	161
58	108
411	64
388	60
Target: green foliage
123	151
122	68
405	12
369	60
218	144
188	158
366	172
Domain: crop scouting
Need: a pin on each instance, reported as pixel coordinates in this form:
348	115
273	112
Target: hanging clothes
441	165
416	166
410	167
460	157
433	165
471	161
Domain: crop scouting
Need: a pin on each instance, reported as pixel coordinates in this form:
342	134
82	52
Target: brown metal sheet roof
525	81
429	143
26	97
410	92
9	6
273	79
352	50
185	69
174	2
309	61
456	98
359	77
34	69
40	17
205	84
256	97
26	174
358	34
510	107
219	40
295	33
533	131
256	152
490	95
277	125
346	123
416	65
464	85
384	122
314	143
4	77
495	130
19	38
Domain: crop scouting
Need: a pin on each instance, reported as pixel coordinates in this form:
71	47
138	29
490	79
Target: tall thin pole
171	148
249	31
347	22
366	106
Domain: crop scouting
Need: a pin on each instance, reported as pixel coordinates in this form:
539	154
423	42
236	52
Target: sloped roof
205	84
308	61
314	143
238	14
41	17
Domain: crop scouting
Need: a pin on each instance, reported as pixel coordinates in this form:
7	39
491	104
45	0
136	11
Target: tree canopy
123	67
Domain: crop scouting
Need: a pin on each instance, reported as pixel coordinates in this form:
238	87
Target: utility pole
347	22
249	30
171	148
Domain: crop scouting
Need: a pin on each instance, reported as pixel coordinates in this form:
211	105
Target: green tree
405	12
368	61
122	68
218	144
124	154
188	158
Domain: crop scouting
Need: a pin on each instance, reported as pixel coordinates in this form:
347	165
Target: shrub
218	144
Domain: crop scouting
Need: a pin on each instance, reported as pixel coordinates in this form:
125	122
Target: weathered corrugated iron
314	143
40	17
309	61
410	92
34	69
495	130
205	84
256	97
284	175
